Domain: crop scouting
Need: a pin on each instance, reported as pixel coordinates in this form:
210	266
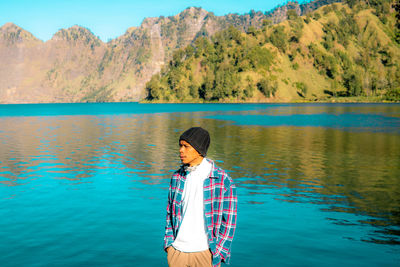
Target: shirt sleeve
169	236
228	223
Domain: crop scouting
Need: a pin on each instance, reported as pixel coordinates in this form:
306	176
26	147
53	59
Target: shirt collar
214	169
197	167
213	173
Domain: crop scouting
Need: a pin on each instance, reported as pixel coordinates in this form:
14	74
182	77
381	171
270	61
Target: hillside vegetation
339	51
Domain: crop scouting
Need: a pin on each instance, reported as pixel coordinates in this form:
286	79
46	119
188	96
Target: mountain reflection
351	172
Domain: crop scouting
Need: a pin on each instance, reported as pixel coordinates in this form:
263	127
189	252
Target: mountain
76	66
33	71
335	51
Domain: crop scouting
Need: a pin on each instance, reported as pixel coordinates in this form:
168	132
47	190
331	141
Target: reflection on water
354	172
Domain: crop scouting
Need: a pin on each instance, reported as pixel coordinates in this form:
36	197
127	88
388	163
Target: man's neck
196	161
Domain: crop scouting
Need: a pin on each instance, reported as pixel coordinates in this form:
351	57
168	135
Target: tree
396	7
153	88
249	88
251	30
177	58
291	14
266	24
189	51
279	38
206	90
301	89
328	44
174	77
194	91
297	30
267	87
352	82
260	57
352	3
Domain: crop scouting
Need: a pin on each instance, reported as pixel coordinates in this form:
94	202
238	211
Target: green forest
348	50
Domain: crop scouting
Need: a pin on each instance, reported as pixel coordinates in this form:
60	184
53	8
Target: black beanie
198	138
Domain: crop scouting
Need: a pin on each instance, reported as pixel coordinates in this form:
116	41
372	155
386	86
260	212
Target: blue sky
109	19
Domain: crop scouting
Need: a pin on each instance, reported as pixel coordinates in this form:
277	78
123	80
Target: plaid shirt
220	209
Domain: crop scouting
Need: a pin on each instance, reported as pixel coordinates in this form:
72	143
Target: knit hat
198	138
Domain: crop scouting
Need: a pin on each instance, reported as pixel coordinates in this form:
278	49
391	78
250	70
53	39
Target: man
202	207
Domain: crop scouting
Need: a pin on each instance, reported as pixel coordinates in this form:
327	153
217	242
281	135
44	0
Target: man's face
188	154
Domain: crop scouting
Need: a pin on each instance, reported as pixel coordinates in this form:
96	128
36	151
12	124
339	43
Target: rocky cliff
278	14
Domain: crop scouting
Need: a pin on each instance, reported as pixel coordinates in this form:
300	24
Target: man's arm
228	222
169	236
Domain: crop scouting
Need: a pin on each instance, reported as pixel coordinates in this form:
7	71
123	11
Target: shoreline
353	100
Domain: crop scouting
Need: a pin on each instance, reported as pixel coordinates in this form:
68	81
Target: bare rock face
306	8
19	53
279	14
71	55
76	66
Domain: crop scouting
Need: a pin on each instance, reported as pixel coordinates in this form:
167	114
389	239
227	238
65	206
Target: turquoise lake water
86	184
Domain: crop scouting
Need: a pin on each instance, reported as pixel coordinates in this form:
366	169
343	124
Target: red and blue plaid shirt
220	211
